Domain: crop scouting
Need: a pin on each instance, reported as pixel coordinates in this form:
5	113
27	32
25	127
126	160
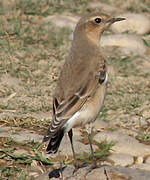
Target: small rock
80	174
68	171
42	63
100	125
103	173
38	72
133	174
20	151
103	7
43	176
33	174
20	135
115	174
127	43
121	159
96	174
142	166
9	80
145	113
138	23
139	160
147	160
25	135
6	130
124	143
63	21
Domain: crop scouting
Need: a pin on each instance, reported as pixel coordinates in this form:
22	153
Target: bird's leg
70	134
76	164
61	166
89	132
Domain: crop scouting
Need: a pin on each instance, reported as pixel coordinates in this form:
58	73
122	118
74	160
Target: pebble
124	144
138	23
21	135
121	159
80	174
42	63
26	135
104	7
62	21
103	173
6	131
139	160
142	166
9	80
96	174
20	151
43	176
100	125
146	113
127	43
132	174
147	160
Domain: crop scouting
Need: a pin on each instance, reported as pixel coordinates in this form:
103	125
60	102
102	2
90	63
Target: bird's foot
94	165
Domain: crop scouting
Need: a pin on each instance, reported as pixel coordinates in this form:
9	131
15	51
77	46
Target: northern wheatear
81	87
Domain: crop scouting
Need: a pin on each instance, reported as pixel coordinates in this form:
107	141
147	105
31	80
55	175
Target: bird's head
93	25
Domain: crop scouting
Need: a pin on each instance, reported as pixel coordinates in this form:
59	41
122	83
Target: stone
25	135
42	63
68	171
99	125
122	173
143	166
102	173
139	160
138	23
20	135
127	43
145	113
121	159
147	160
124	143
96	174
5	131
43	176
104	7
62	21
10	81
80	174
20	151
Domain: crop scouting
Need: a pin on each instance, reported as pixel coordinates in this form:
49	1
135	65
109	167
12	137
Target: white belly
90	110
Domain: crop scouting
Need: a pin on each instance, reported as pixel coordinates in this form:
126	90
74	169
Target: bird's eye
98	20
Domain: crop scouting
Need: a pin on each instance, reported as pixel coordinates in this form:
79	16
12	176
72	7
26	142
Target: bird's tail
54	141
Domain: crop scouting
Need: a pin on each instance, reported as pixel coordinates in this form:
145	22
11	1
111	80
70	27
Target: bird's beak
113	20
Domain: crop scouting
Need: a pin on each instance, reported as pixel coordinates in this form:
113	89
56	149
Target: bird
81	86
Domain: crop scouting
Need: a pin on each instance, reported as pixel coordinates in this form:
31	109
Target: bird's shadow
56	172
